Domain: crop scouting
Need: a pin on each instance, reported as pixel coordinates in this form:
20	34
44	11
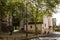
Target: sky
57	15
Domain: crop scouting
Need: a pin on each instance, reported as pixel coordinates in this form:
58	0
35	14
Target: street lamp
26	11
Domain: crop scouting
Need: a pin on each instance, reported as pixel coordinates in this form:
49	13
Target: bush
56	28
4	28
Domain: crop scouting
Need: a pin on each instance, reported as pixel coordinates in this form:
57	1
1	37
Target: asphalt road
54	34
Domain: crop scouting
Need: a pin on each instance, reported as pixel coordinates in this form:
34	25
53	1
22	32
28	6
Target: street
53	36
19	36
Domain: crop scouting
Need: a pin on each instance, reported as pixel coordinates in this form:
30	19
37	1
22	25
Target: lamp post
26	22
27	13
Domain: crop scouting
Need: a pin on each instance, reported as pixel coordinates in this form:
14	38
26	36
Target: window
45	25
22	28
30	26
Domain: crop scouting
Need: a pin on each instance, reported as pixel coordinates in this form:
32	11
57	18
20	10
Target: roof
36	23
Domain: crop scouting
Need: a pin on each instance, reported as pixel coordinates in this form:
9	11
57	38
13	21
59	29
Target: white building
47	24
42	27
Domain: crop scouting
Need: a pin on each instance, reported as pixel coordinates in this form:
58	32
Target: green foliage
56	29
34	8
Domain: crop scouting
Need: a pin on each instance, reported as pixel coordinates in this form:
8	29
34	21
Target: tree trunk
35	27
21	24
36	21
0	25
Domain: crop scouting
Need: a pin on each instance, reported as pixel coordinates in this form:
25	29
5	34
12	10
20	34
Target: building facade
54	22
42	27
47	24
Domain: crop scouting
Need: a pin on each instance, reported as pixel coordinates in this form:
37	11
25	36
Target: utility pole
26	22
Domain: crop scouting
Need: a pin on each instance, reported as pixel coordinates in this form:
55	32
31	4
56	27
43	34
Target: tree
2	11
35	8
